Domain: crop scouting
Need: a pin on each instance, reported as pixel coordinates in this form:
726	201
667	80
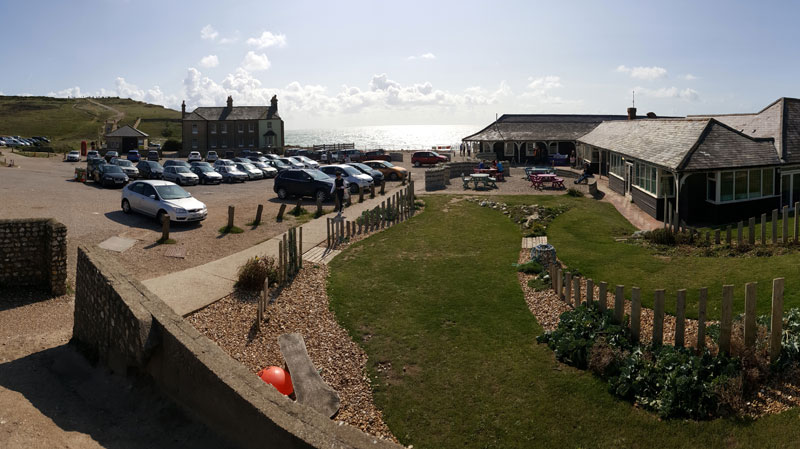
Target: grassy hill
67	121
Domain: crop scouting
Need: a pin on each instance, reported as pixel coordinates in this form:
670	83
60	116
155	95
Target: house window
711	187
241	127
726	186
270	140
224	128
224	142
668	186
213	128
251	127
194	128
241	142
252	141
269	125
742	185
616	165
645	177
767	183
194	143
213	142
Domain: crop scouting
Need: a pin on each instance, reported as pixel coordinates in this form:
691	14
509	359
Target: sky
357	63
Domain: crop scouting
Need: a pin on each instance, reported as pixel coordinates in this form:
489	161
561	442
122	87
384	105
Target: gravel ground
300	307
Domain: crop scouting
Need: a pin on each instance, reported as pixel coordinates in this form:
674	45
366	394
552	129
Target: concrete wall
436	178
33	253
120	323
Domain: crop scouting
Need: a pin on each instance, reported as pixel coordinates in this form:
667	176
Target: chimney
230	102
183	109
631	113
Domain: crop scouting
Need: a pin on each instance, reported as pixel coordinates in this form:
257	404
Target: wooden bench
309	388
466	181
491	182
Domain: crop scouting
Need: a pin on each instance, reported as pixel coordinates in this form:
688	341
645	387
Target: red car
427	157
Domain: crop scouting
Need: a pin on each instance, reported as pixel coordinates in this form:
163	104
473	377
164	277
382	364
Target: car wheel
320	195
393	176
417	164
282	194
353	188
126	206
160	216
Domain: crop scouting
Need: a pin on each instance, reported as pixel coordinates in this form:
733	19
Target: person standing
338	191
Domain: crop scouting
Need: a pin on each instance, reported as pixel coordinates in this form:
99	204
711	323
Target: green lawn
436	298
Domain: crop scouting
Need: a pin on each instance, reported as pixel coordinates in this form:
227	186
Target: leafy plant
255	271
530	267
575	193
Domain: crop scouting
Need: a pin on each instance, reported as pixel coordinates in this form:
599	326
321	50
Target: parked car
211	156
292	163
74	156
231	174
257	158
171	162
230	154
309	163
111	154
241	159
278	165
252	171
303	182
109	175
126	166
155	146
420	158
93	154
180	175
377	155
350	174
194	156
161	199
206	173
150	170
152	155
134	156
223	162
42	139
389	170
271	156
377	176
269	171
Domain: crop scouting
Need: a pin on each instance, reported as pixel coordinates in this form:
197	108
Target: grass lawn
436	305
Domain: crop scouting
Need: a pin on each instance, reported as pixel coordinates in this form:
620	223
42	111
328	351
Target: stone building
125	139
233	128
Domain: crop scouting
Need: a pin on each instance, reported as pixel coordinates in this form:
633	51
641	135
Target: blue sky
349	63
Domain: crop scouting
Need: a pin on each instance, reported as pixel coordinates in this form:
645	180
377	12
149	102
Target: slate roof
236	113
127	131
683	144
521	127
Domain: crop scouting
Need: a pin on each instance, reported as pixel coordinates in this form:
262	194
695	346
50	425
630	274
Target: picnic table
479	178
490	171
538	181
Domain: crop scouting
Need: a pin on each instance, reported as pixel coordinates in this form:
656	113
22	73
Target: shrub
575	193
660	236
539	284
530	267
171	145
538	230
255	271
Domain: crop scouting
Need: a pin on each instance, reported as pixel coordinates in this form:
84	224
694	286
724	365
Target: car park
350	174
377	155
205	172
223	162
389	170
420	158
171	162
150	170
252	171
152	155
211	156
109	175
127	167
180	175
303	182
231	174
292	163
161	199
111	154
269	171
377	176
73	156
194	156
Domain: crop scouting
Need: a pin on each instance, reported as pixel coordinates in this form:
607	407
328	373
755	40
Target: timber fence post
776	322
727	319
636	313
658	318
680	318
750	314
751	231
619	304
259	211
701	319
603	296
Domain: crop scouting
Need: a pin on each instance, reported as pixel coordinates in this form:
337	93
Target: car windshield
73	152
318	175
113	169
181	169
124	163
361	166
171	192
260	164
352	171
204	168
248	166
279	164
387	164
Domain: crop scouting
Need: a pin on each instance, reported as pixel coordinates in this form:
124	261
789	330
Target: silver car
73	156
350	174
269	171
162	199
180	175
252	171
127	167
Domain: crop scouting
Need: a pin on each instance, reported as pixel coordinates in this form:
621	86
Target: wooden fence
743	238
397	208
568	289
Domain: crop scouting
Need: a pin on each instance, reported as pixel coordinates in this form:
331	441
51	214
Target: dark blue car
133	156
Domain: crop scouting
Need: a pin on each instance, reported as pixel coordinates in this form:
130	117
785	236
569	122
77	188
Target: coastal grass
230	230
451	342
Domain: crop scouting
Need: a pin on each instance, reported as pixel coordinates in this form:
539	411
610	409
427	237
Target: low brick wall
122	324
33	253
436	178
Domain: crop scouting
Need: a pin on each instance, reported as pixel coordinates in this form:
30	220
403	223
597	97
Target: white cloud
267	39
544	83
255	62
669	92
208	33
643	73
70	92
209	61
231	39
428	56
689	77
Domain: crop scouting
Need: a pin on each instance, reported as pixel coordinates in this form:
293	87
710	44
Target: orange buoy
278	378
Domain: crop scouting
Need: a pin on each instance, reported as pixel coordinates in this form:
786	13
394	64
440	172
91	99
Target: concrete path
194	288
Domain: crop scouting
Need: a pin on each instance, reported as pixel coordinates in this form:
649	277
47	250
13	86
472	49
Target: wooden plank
750	314
560	283
309	388
701	318
727	319
619	304
774	226
636	313
785	234
589	291
658	318
751	231
764	229
776	322
602	296
716	237
680	318
577	289
739	233
568	288
728	235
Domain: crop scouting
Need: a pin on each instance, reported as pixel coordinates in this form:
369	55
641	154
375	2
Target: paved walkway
194	288
630	211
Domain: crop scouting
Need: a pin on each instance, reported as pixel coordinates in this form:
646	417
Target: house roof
522	127
234	113
127	131
683	144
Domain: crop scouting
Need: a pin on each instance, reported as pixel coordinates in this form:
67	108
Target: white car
194	156
351	175
292	163
307	161
269	171
252	171
211	156
180	175
223	162
162	199
73	156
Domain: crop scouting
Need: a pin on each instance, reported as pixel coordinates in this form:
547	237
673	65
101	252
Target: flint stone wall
33	253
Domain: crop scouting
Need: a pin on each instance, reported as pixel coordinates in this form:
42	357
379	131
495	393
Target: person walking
338	191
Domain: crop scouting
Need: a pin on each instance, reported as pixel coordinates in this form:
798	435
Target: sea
390	138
